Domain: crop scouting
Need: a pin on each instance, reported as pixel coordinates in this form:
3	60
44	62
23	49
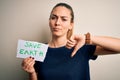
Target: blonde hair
69	33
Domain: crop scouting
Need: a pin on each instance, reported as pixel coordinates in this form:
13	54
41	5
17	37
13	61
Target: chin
56	34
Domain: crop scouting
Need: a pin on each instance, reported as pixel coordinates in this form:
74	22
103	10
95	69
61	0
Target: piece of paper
30	48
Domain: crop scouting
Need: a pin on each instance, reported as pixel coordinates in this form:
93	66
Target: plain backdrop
28	20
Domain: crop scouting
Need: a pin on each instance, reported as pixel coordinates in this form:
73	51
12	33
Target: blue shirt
59	65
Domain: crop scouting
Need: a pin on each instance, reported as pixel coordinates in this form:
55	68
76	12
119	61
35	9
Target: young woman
68	55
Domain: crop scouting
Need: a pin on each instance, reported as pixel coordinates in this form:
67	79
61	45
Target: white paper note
30	48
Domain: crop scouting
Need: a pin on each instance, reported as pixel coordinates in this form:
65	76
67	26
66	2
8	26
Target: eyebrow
60	16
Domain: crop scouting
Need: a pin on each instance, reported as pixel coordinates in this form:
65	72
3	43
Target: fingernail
32	57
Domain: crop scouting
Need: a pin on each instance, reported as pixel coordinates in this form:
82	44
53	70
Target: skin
60	23
104	44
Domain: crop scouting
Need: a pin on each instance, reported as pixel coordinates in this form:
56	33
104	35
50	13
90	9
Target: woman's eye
64	19
53	18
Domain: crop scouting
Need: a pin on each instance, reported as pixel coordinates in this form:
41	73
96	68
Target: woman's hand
28	65
76	41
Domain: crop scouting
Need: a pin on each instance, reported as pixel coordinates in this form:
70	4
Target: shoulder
87	51
88	48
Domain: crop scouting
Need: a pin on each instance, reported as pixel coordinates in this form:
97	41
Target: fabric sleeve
91	50
88	51
92	56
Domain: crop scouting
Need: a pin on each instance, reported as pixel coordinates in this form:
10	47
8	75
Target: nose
58	21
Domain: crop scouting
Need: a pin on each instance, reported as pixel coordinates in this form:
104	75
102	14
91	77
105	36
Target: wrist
33	76
88	39
32	72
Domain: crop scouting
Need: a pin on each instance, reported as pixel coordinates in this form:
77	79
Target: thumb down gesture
76	41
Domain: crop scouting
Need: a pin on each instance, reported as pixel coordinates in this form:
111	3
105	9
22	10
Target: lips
56	29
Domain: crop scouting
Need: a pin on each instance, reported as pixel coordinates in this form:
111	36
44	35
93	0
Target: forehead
61	11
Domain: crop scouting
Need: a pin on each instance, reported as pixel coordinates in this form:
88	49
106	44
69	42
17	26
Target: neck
58	42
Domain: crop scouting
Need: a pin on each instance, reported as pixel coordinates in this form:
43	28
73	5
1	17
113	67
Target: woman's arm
28	66
105	45
33	76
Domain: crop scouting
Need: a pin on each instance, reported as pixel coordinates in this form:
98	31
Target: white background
28	20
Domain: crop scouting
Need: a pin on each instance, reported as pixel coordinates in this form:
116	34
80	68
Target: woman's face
60	21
